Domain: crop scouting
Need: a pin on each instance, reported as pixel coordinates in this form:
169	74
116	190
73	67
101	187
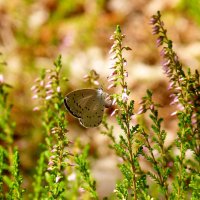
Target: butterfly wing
93	113
76	101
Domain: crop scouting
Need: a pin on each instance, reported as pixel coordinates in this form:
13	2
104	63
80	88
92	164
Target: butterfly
87	105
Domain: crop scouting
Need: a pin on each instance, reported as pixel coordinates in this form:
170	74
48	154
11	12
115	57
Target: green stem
162	183
130	151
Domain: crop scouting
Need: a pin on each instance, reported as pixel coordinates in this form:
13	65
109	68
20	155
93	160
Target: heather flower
57	179
111	86
124	97
155	18
49	92
50	168
58	89
72	177
36	108
51	163
114	112
174	113
42	83
81	190
34	87
53	150
35	96
156	30
118	67
48	86
159	41
1	78
141	110
48	97
172	67
152	107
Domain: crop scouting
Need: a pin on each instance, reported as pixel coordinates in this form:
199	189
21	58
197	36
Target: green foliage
63	169
131	185
9	157
195	186
50	178
83	167
192	8
15	191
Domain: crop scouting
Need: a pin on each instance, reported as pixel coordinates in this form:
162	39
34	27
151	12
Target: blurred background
34	32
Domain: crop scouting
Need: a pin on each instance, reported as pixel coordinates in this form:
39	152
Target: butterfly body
87	105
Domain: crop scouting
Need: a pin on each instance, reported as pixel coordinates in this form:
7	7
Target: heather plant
174	174
52	169
165	165
10	178
186	95
63	167
56	175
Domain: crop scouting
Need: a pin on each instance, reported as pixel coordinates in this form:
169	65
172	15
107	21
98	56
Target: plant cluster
63	171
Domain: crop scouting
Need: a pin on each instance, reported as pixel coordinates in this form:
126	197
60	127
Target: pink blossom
53	150
124	97
114	101
72	177
111	86
51	163
35	96
48	86
42	83
114	112
36	108
57	178
142	109
96	82
49	92
33	87
126	74
1	78
50	168
58	89
81	190
112	79
174	113
48	97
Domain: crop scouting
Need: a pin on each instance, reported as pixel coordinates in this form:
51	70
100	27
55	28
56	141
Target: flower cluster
56	160
46	87
118	62
147	104
186	86
119	73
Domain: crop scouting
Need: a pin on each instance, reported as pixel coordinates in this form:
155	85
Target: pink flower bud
42	83
36	108
72	177
58	89
174	113
50	163
111	86
81	190
57	178
33	87
1	78
35	96
114	112
124	97
96	82
48	97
